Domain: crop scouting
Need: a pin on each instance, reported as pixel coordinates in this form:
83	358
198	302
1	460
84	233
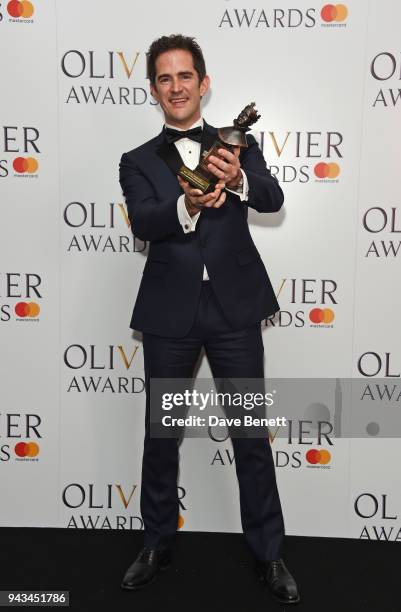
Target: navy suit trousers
231	353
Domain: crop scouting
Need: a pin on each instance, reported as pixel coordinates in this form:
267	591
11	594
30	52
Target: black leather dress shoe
279	580
145	568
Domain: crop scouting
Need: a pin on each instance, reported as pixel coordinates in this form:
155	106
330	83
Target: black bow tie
174	135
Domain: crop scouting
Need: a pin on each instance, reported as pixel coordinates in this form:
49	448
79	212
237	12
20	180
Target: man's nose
176	85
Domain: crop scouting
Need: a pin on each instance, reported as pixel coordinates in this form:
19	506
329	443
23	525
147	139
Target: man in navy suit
204	284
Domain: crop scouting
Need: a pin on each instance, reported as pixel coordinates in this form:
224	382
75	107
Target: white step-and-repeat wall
74	97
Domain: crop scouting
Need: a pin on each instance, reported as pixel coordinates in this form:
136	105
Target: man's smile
178	101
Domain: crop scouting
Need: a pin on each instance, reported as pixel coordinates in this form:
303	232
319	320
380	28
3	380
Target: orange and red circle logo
25	164
22	9
321	315
334	12
27	309
315	456
26	449
323	170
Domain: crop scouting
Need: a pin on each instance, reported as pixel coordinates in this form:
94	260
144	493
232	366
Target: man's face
177	88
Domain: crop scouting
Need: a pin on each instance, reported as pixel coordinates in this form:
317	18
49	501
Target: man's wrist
237	183
192	210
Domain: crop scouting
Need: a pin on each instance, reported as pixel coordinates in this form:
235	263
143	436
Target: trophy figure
229	137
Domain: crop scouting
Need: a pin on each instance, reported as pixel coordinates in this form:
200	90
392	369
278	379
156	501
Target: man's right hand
195	200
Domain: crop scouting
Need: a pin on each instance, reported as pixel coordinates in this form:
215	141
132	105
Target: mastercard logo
20	9
26	449
315	456
323	170
25	164
27	309
334	12
180	521
321	315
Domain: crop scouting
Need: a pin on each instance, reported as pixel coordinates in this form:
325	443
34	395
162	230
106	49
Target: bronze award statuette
229	137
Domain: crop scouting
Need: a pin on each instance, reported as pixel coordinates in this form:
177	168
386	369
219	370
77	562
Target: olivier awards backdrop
326	79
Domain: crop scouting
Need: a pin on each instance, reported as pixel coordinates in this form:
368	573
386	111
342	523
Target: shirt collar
198	123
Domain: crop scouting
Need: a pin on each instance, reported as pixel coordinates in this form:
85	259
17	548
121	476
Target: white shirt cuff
243	194
187	222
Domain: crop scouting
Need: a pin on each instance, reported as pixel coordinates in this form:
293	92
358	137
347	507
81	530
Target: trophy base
197	181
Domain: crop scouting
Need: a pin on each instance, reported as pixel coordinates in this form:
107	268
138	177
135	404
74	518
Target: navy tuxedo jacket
171	283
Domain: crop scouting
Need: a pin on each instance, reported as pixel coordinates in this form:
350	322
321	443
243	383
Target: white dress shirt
190	154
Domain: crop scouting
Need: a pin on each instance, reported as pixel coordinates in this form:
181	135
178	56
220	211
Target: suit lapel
209	136
169	154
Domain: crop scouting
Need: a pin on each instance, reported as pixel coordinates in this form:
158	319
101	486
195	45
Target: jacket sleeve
265	193
151	218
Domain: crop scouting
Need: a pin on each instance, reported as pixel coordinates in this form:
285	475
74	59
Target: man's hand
195	200
227	169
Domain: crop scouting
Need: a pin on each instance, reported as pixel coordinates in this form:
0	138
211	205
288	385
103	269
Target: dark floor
210	572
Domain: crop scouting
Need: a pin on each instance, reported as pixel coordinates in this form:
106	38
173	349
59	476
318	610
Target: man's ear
154	93
204	86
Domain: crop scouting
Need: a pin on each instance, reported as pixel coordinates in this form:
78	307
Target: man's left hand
228	168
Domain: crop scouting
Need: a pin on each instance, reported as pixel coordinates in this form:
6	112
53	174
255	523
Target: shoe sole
286	602
162	568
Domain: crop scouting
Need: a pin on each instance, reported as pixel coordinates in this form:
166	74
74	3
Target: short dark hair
169	43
